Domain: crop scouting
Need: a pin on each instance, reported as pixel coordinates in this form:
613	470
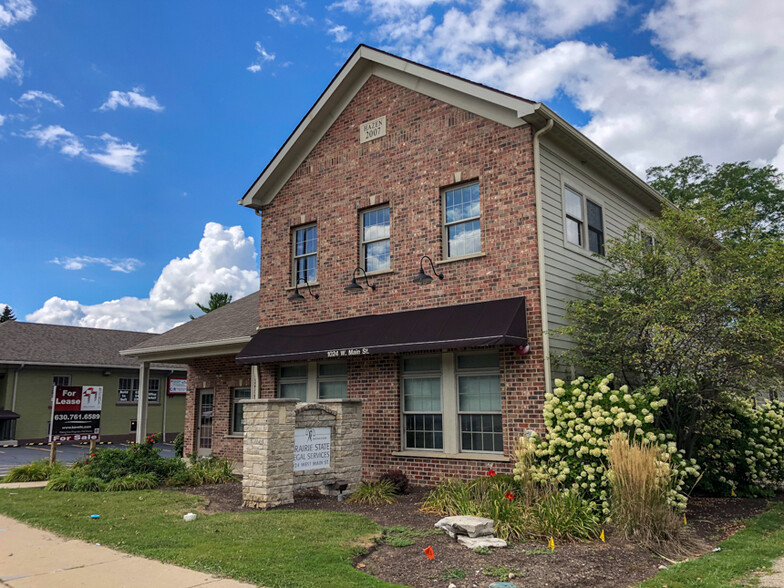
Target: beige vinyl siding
562	260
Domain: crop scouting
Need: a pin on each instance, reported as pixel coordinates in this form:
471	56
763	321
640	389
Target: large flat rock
464	525
474	542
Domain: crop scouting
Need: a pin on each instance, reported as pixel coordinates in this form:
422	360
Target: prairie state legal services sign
312	448
76	413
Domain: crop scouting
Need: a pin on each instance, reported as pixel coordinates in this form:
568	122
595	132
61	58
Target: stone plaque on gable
312	448
373	129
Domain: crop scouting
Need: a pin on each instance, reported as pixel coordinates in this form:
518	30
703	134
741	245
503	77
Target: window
305	255
237	427
422	412
128	390
452	403
461	221
374	240
332	380
313	381
61	380
294	382
577	209
479	402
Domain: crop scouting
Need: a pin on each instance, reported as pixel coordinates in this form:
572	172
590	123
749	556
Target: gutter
540	252
140	352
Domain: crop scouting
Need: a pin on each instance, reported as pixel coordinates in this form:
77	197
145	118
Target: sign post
76	415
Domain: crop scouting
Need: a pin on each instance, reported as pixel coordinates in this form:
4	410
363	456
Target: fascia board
81	365
483	101
189	350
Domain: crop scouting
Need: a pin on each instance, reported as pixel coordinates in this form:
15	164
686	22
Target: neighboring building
394	162
35	357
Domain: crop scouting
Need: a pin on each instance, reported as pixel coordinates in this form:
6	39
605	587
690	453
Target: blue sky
128	130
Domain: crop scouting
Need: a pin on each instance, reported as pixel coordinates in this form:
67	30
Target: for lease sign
76	413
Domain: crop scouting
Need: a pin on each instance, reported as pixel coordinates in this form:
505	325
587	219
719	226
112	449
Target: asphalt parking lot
10	457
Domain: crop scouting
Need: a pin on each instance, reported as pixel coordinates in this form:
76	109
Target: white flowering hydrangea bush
741	450
580	418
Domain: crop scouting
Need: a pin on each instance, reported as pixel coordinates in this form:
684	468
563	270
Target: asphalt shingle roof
238	319
64	345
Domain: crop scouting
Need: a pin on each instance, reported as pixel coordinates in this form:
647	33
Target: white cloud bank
125	266
132	99
105	150
12	12
722	98
10	64
224	262
36	97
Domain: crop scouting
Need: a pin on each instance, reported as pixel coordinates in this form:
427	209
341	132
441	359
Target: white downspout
16	381
540	248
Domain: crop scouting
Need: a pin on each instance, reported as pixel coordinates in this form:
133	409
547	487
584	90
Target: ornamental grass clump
35	471
642	483
580	418
380	492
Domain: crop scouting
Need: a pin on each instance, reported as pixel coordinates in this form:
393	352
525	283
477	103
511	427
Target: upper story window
374	240
462	234
61	380
584	222
305	255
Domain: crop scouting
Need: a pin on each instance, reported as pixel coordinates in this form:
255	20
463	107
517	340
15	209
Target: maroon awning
481	324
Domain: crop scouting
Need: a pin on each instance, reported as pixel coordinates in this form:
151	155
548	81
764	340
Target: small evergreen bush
179	444
398	479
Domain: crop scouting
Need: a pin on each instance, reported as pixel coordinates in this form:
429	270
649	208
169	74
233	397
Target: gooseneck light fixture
295	295
422	278
353	286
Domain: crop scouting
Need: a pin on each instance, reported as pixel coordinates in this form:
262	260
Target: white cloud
132	99
35	98
126	265
2	120
225	261
290	13
14	11
10	64
105	150
340	32
263	57
721	97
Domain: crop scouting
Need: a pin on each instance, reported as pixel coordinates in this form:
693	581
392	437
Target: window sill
439	455
303	286
585	252
379	273
462	258
234	436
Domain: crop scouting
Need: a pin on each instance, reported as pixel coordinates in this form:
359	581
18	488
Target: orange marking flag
429	552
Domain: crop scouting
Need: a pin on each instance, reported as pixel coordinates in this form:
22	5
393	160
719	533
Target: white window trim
450	414
311	380
403	413
295	257
445	226
585	194
363	243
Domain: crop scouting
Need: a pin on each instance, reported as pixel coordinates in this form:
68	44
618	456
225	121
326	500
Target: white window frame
413	375
234	404
477	371
363	243
312	379
450	420
295	258
583	225
445	226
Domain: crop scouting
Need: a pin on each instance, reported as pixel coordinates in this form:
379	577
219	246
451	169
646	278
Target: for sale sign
76	413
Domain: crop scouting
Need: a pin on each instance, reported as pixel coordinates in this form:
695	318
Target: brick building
421	238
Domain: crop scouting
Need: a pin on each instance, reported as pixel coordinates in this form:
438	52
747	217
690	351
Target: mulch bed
612	564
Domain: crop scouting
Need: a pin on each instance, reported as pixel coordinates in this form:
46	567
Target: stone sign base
268	475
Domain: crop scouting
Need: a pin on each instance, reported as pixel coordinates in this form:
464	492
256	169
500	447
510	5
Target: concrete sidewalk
38	559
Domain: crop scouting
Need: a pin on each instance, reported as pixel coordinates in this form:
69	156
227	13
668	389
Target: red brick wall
427	143
220	373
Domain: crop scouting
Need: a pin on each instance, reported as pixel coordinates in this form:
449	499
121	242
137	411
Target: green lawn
754	548
277	548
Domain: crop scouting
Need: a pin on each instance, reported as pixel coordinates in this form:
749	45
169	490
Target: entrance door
204	436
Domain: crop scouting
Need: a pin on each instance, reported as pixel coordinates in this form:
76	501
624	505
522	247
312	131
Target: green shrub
179	444
87	484
182	478
741	449
641	479
64	481
35	471
113	463
133	482
210	470
565	515
580	418
398	479
381	492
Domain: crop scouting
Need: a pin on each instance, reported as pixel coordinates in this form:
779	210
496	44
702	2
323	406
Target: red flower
509	496
491	473
92	455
